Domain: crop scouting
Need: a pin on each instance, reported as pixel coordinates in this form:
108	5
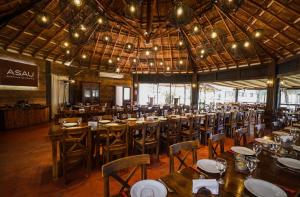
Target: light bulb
66	44
76	35
110	61
180	62
161	63
196	29
118	70
83	56
100	20
44	19
179	11
233	46
202	51
132	9
257	34
168	68
147	52
214	35
77	3
246	44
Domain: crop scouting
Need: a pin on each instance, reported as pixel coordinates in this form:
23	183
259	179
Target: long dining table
267	169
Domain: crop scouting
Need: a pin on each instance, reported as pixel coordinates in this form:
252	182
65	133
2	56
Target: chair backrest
175	149
76	141
210	121
220	121
241	136
70	120
196	123
116	136
173	127
111	169
233	117
213	142
259	130
151	132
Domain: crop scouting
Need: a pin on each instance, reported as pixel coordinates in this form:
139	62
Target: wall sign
18	74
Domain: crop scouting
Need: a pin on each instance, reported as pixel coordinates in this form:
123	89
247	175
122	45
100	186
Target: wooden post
135	88
48	87
195	88
272	94
236	95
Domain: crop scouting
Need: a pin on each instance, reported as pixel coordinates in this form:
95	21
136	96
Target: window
252	96
126	94
164	93
289	98
209	94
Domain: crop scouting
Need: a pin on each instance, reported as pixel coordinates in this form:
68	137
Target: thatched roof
180	48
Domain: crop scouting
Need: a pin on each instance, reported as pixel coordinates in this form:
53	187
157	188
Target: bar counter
13	118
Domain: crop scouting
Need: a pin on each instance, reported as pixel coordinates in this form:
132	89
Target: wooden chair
213	142
75	148
116	142
209	127
111	169
189	133
175	150
231	125
150	138
171	134
220	122
259	130
241	135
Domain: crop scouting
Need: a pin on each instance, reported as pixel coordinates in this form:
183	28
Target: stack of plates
207	165
70	124
263	188
104	121
148	188
289	162
242	150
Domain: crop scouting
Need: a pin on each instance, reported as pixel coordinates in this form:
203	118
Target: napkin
286	138
211	184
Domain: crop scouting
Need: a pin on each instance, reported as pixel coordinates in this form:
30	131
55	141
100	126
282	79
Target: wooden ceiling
278	21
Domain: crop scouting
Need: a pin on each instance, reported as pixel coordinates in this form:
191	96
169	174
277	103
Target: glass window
289	98
147	90
164	93
126	94
210	94
252	96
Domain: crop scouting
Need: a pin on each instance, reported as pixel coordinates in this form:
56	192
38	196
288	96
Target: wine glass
147	192
251	163
275	147
79	121
221	165
257	148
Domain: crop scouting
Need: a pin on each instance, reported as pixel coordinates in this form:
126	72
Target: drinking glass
147	192
257	148
277	139
221	165
79	121
251	163
275	147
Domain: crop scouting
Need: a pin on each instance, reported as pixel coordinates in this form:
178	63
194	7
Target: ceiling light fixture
147	52
246	44
234	46
83	56
77	3
168	68
179	11
214	35
110	61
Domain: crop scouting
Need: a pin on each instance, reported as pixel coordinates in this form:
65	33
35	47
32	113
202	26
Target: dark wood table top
234	181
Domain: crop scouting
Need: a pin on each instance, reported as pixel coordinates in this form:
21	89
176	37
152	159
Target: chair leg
157	151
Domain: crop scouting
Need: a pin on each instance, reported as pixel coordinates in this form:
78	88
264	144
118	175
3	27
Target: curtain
59	92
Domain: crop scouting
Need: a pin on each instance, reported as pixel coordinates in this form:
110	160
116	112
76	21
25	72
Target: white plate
159	190
70	124
297	148
289	162
280	133
242	150
112	124
131	119
207	165
264	141
263	188
104	121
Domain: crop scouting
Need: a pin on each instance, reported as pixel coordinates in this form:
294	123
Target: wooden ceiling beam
260	44
190	45
231	34
171	52
281	32
6	18
230	18
43	30
221	42
208	41
287	7
288	24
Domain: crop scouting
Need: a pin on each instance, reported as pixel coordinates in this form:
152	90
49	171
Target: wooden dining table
267	169
55	134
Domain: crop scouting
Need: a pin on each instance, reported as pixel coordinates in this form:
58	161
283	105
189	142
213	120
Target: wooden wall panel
10	96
